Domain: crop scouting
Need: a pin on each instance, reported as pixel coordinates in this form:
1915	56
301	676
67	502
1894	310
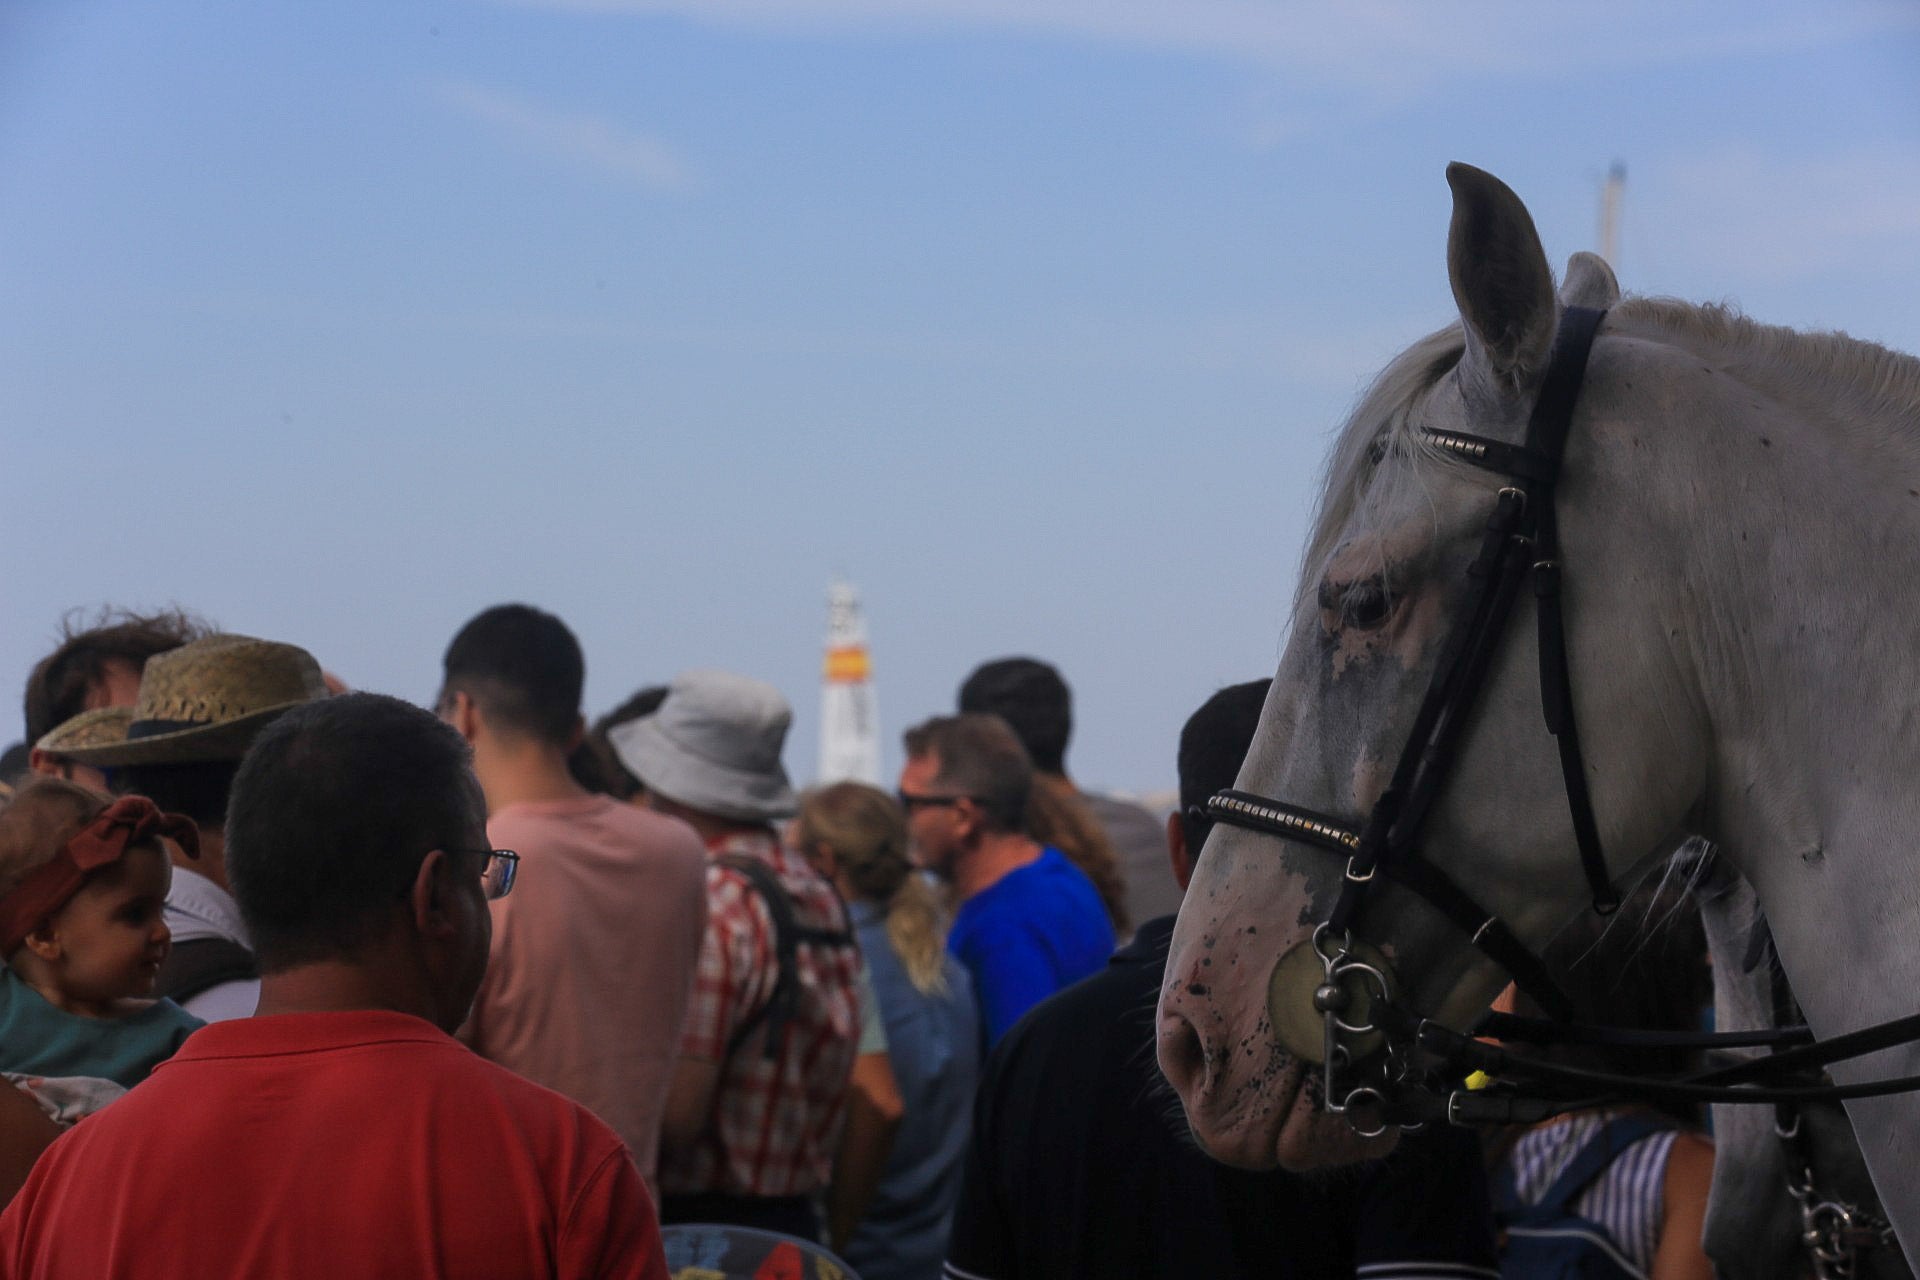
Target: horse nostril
1183	1059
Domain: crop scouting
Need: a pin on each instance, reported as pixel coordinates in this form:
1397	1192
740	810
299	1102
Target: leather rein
1429	1071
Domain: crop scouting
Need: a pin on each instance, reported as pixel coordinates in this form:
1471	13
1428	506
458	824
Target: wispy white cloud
1748	214
589	141
1387	46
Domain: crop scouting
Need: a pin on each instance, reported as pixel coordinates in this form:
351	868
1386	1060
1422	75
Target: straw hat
204	701
714	745
100	727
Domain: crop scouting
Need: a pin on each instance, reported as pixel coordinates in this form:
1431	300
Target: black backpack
1547	1240
788	934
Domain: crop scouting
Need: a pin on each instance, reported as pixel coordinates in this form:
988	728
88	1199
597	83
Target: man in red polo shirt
342	1131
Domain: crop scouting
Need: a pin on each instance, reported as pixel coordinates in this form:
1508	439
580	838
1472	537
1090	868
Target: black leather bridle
1521	541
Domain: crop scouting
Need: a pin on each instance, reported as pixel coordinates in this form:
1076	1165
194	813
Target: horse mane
1829	376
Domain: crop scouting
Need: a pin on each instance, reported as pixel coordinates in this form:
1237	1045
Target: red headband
130	820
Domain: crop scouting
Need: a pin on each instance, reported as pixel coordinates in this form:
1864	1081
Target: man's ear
430	899
44	763
1179	857
577	734
966	812
458	710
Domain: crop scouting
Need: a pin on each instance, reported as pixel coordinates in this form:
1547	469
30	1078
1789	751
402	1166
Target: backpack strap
200	964
1601	1150
788	936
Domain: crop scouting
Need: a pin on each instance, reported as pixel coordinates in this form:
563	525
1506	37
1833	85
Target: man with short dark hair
343	1131
593	958
1032	696
94	667
1079	1164
1029	921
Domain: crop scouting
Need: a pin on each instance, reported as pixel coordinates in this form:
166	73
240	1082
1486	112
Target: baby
82	881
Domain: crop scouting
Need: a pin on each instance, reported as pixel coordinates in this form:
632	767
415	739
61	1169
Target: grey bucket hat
714	745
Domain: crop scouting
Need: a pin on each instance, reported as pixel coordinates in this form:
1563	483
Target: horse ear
1500	276
1590	282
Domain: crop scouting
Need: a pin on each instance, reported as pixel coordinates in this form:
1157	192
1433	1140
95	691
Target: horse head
1385	577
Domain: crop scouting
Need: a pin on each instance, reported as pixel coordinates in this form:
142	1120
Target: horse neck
1785	543
1801	537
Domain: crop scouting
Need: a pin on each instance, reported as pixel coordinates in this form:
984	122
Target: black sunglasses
910	801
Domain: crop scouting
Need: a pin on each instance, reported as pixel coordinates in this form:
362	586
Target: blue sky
337	323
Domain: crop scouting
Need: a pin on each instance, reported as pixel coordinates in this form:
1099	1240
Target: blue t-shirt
933	1042
37	1039
1029	934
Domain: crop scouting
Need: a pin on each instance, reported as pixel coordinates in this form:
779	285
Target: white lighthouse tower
849	724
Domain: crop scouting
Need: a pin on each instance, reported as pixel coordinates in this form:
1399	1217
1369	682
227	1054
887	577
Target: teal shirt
37	1039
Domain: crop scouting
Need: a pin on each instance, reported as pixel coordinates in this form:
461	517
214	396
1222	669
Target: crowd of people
304	981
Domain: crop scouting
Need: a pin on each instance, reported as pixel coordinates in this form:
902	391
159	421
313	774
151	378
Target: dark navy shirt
1030	933
1080	1166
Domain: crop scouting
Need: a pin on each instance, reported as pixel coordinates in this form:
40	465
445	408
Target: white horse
1754	1222
1740	530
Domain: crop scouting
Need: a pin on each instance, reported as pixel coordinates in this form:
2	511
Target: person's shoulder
1055	867
997	907
1087	1047
158	1010
604	842
812	891
1100	1007
1093	1006
1689	1162
525	822
655	832
1059	879
527	1121
808	894
734	905
537	1108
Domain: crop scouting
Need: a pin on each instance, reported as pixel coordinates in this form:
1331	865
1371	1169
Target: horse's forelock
1381	420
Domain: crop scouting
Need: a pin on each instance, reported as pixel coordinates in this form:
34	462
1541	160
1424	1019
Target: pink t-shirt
593	957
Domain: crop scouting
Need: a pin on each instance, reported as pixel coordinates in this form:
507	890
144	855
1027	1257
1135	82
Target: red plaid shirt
775	1123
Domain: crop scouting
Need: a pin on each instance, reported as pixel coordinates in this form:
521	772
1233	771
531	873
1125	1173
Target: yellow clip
1479	1080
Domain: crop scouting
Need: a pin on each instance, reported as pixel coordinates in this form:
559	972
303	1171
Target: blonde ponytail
867	834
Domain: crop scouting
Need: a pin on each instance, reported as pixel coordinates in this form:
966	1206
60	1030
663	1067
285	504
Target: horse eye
1362	605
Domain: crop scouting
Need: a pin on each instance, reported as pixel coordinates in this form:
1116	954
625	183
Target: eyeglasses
498	874
911	802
